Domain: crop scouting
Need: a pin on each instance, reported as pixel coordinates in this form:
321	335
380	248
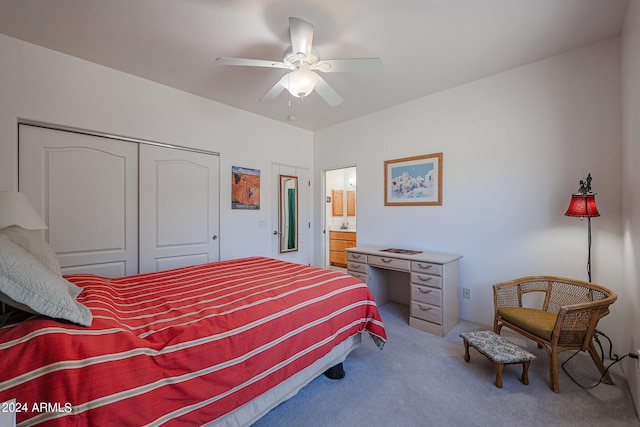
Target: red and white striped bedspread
183	346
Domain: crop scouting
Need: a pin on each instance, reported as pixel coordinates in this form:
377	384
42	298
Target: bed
217	344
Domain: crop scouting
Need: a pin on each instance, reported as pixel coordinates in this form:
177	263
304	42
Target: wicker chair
567	320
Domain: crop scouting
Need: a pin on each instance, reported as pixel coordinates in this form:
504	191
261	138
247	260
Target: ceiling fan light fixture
302	60
300	82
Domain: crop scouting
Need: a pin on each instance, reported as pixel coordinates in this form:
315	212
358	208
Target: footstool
499	350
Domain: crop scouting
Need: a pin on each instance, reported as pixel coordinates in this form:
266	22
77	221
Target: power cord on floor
596	335
614	357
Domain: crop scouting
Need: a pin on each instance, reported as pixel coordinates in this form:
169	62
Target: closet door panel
178	208
85	188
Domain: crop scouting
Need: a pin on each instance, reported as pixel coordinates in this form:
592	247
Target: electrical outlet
466	293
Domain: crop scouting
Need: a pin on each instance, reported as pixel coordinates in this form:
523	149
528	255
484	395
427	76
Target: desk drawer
426	295
426	279
355	256
392	263
426	267
356	267
426	312
360	276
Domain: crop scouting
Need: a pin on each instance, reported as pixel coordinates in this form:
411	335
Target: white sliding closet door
86	189
179	212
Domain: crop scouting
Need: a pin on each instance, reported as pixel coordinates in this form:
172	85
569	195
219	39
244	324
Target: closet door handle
214	237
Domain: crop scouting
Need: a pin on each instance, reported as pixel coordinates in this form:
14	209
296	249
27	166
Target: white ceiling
426	45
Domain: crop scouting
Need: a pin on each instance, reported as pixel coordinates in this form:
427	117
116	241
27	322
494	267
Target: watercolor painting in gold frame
413	181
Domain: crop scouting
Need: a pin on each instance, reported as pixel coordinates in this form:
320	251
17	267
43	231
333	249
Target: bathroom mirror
288	213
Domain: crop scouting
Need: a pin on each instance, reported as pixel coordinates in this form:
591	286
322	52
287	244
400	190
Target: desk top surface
436	257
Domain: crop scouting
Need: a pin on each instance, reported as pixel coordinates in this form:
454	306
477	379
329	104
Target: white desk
427	282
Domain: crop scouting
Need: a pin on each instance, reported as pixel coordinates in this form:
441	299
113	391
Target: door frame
324	243
305	245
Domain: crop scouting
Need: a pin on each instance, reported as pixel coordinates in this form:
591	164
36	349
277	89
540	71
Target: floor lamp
583	204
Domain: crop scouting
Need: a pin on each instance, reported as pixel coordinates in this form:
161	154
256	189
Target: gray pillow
33	244
27	284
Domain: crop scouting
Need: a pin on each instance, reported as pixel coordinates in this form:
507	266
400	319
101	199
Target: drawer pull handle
424	291
355	255
386	260
424	308
426	267
424	279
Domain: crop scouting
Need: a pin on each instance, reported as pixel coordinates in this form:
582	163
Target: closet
118	206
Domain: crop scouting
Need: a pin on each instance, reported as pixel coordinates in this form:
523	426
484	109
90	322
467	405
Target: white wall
630	185
515	147
43	85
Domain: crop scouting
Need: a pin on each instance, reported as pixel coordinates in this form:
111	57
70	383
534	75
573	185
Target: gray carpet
419	379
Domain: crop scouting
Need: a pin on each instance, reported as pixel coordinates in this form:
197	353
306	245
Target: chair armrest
575	323
506	294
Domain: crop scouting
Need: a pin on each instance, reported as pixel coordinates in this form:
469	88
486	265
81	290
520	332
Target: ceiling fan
304	61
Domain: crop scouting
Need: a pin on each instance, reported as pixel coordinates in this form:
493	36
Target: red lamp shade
582	205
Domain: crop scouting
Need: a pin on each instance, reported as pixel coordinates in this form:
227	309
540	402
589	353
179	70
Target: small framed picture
413	181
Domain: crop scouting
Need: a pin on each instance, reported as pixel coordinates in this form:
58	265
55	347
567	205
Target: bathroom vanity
338	242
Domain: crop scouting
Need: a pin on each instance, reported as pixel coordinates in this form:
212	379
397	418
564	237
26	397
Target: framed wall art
413	181
245	188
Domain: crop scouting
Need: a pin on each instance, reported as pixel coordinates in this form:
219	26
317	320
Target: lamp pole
589	253
583	204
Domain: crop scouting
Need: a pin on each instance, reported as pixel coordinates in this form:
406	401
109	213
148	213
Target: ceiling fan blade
349	65
273	93
301	36
252	63
327	93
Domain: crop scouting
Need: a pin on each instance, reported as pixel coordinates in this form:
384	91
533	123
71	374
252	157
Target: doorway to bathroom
340	195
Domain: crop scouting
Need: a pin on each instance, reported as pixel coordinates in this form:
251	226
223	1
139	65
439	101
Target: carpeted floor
419	379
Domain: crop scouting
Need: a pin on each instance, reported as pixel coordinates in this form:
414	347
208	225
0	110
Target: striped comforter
182	347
